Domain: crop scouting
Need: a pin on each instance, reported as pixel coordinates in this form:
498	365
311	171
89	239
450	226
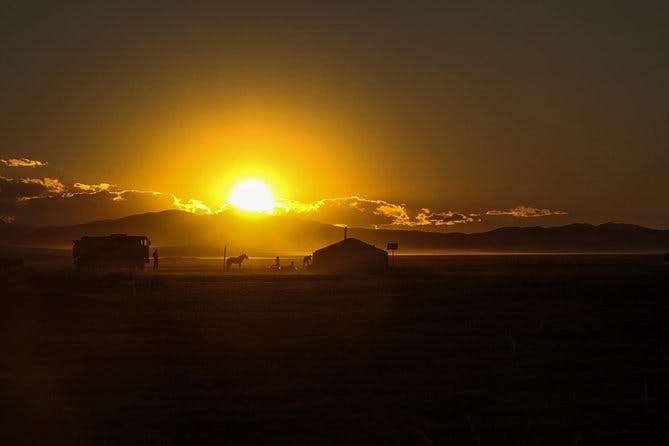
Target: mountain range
184	233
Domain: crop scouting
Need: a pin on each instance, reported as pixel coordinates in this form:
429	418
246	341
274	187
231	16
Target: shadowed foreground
524	353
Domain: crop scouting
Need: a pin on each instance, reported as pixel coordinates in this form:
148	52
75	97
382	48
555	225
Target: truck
112	251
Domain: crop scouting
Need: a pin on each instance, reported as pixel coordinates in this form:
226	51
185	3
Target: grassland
472	350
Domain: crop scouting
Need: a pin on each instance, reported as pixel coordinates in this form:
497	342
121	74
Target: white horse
238	260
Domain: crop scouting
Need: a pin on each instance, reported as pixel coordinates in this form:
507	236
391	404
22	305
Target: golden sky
454	108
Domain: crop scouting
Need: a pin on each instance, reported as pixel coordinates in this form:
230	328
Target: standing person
277	263
155	259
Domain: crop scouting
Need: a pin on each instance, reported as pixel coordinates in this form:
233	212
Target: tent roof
350	244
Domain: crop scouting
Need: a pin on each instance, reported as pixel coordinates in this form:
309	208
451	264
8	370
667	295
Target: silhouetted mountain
189	234
193	234
570	238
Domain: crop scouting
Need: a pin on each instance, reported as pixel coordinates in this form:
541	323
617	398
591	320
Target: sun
252	195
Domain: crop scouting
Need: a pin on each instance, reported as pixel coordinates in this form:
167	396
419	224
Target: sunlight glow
252	195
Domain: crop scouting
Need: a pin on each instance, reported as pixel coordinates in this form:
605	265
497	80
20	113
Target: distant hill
184	233
192	234
608	237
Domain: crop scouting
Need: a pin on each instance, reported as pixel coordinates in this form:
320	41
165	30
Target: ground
442	350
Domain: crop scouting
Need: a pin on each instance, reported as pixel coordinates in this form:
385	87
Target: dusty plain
441	350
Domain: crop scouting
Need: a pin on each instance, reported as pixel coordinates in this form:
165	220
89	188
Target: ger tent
350	255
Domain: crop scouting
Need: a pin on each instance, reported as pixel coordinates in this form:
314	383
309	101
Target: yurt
351	256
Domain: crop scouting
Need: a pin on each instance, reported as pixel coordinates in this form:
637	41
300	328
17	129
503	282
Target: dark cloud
92	188
351	211
49	201
449	218
358	211
30	188
23	162
527	212
117	195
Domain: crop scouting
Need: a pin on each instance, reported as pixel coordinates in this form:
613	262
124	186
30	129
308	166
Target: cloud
359	211
448	218
49	201
30	188
51	186
192	205
352	211
527	212
381	214
23	162
397	212
92	187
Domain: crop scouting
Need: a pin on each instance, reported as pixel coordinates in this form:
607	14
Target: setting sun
252	195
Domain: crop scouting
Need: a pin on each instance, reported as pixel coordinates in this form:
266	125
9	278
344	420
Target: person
277	262
292	266
155	259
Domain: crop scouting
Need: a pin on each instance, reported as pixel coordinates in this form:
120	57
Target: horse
238	260
306	261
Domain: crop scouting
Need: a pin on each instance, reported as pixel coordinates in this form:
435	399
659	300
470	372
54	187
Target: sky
448	116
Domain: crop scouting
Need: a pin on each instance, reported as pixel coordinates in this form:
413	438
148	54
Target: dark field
564	350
